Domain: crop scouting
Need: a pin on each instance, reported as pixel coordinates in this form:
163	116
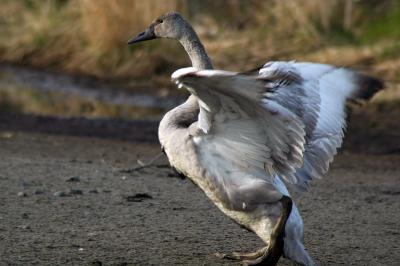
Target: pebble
97	263
92	234
93	190
6	135
139	197
75	192
22	194
25	184
392	192
74	179
38	191
60	194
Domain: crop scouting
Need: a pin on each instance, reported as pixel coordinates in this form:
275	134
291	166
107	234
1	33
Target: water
26	90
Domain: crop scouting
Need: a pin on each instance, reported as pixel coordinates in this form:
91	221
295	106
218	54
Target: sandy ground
154	217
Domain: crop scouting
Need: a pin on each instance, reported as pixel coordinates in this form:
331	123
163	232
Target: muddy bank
153	217
371	132
120	129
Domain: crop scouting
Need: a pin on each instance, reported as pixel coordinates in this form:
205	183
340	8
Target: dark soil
154	217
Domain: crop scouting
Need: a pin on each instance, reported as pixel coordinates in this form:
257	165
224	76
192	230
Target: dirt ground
65	201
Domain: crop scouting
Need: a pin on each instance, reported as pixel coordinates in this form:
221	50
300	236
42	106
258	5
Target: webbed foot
242	255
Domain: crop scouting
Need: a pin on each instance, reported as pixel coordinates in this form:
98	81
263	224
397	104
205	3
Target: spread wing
322	110
265	120
243	128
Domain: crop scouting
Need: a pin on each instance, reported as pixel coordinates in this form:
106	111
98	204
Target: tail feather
367	86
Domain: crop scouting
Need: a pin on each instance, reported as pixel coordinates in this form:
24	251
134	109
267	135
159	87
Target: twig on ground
142	165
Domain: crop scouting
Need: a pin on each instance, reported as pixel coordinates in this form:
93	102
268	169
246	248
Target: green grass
383	26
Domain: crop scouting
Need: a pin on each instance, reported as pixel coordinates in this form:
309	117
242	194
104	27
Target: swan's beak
148	34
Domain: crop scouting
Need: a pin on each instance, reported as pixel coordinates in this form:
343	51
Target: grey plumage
240	134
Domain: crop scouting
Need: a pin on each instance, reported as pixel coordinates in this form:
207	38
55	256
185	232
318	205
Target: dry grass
107	24
85	36
77	36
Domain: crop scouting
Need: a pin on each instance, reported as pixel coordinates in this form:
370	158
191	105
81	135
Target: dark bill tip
144	36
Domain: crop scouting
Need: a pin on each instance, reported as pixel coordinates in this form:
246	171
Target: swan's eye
160	20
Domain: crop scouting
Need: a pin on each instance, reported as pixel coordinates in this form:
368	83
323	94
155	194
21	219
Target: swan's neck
178	119
195	49
181	117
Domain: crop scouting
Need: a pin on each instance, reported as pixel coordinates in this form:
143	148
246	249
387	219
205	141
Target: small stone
38	191
22	194
392	192
24	184
123	177
75	192
139	197
25	227
6	135
97	263
94	191
92	234
178	208
73	179
60	194
25	215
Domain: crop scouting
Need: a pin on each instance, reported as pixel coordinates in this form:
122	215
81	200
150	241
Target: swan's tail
366	87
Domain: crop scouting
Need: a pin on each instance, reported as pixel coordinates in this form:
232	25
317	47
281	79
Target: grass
89	37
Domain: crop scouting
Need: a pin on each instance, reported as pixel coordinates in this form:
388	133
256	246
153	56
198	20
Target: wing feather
248	129
287	119
321	107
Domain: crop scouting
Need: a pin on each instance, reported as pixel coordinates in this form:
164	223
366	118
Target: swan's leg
270	254
275	247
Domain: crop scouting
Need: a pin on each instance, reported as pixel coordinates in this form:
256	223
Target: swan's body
239	136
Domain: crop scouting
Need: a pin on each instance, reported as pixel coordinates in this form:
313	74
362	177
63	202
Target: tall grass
107	24
87	36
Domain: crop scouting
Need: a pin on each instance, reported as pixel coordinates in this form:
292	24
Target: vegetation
89	37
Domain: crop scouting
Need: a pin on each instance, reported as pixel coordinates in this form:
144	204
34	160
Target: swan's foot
275	249
242	256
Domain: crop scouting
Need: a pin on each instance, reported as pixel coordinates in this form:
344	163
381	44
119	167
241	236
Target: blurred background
69	58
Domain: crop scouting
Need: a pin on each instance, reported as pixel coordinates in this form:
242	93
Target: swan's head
170	25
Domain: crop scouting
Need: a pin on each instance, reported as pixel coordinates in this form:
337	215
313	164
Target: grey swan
244	137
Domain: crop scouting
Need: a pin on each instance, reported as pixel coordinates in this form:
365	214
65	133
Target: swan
244	137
